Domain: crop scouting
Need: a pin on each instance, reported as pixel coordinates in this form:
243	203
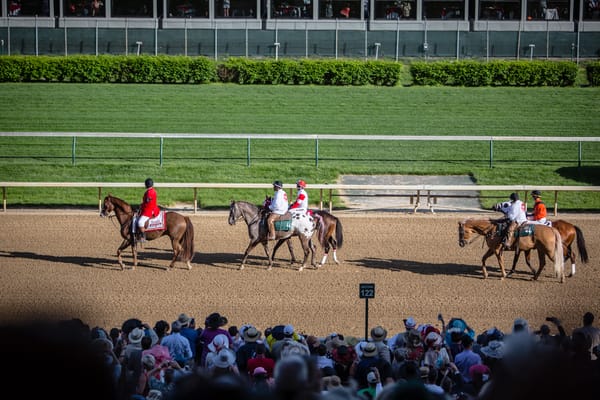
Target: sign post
366	291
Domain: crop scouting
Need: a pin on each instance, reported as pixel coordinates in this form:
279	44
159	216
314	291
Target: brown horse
570	233
493	232
546	240
179	229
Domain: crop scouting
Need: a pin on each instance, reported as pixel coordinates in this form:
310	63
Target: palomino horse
569	233
470	229
329	232
179	229
546	240
302	225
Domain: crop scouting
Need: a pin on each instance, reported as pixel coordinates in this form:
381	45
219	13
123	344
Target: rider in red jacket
148	208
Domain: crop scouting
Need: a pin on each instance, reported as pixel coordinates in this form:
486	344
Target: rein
254	219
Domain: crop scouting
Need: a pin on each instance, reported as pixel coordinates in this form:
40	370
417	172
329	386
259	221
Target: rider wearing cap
539	208
515	213
301	203
278	207
148	208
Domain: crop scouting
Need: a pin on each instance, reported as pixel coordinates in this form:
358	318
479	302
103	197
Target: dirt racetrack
64	263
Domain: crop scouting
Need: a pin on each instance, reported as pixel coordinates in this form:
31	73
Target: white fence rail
416	193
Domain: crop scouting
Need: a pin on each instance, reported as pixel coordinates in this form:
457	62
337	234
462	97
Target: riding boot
271	224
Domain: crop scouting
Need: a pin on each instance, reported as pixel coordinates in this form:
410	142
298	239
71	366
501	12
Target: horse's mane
122	204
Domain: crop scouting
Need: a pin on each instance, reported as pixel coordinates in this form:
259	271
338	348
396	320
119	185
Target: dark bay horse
545	239
302	226
470	229
179	229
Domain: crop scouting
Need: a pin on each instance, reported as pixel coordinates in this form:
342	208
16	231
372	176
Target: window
132	8
499	10
188	8
28	8
395	9
443	9
548	10
292	9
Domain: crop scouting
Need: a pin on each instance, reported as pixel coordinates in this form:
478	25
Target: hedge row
199	70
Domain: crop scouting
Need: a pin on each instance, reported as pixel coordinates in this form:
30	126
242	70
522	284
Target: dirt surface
64	262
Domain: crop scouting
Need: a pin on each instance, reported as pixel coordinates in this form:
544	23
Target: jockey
278	207
539	209
148	208
515	213
301	203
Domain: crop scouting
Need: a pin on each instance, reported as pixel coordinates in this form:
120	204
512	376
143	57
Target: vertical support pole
96	38
317	152
195	200
99	199
366	318
248	152
4	198
185	38
161	150
330	200
36	37
66	40
555	203
491	153
579	155
73	145
320	199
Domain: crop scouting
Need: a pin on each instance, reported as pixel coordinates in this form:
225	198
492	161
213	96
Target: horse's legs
487	254
251	246
308	247
570	254
122	247
542	260
290	247
176	251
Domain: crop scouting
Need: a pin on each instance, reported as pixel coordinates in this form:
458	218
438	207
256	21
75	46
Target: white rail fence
418	194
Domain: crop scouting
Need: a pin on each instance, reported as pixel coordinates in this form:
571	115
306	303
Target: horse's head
234	213
466	232
107	206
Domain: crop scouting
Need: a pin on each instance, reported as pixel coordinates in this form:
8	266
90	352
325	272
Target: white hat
378	333
219	342
136	335
288	330
225	358
369	349
410	323
371	377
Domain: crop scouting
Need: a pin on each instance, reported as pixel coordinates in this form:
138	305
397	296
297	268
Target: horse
570	233
470	229
302	225
330	233
545	239
179	229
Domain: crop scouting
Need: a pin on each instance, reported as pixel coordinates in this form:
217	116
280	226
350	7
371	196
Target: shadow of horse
88	262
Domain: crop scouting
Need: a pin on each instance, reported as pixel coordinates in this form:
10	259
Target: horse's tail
339	233
187	241
581	245
559	259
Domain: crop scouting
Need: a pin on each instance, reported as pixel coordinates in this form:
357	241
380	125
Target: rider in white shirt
515	211
278	207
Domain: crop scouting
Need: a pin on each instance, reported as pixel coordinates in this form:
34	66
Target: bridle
242	214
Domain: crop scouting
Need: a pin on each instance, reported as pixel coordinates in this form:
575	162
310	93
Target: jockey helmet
301	184
514	196
278	184
149	183
536	193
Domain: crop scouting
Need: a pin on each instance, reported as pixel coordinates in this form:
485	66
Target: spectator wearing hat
223	363
250	337
591	332
370	359
401	339
467	358
374	385
261	359
218	343
539	213
546	338
261	383
188	330
343	358
436	353
213	326
178	345
378	336
158	351
290	338
277	207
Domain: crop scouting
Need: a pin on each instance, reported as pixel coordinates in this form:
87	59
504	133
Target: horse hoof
189	266
241	268
300	269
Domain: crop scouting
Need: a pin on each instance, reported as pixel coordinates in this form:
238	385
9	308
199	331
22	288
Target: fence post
161	150
579	155
491	153
317	152
248	152
73	143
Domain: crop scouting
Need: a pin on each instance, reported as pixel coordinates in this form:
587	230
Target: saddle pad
158	223
525	230
283	225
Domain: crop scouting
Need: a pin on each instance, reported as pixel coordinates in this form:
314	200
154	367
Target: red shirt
267	363
149	206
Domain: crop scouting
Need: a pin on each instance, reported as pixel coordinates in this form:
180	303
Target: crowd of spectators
178	360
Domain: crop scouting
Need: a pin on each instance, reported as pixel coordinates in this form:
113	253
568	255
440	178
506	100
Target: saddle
525	230
283	223
158	223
